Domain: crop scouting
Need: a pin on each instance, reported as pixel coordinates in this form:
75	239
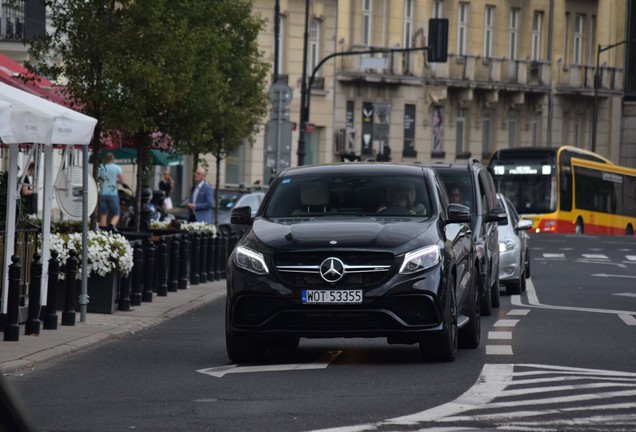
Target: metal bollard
12	330
224	255
203	258
33	323
123	301
149	264
50	317
211	256
173	279
68	314
162	283
184	262
218	254
137	282
194	259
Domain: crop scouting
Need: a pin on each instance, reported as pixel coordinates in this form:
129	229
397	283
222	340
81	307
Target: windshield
227	200
348	194
529	193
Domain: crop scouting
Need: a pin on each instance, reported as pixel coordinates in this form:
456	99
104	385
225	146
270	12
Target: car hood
398	237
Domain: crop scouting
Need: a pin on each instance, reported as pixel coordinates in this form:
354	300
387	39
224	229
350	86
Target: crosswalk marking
499	335
519	312
506	323
595	256
554	255
498	350
594	399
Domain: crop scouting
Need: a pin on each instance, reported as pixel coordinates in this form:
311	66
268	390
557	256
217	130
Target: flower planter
102	293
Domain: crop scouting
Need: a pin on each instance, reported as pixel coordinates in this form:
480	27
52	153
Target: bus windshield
534	191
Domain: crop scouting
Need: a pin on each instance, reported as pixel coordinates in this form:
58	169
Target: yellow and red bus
567	190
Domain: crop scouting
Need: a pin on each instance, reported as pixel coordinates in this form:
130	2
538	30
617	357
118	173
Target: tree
187	68
224	107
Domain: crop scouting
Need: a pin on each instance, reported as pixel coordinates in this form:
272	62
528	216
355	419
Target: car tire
579	228
486	301
442	347
243	350
629	231
527	265
513	287
285	343
470	334
494	292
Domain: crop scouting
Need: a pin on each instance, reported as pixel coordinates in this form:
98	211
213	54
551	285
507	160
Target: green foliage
188	68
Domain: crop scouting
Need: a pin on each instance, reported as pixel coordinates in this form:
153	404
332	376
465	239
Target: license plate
332	296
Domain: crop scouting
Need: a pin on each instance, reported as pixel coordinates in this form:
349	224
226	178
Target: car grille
361	269
388	313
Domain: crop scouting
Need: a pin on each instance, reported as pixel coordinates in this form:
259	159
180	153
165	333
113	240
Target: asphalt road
558	357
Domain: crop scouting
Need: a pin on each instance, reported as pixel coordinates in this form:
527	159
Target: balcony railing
493	72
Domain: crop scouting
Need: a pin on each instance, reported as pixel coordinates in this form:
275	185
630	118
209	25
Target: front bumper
509	268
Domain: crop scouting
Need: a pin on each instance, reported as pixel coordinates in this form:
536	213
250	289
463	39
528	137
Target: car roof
361	167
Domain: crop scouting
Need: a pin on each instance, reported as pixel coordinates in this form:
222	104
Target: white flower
107	251
199	226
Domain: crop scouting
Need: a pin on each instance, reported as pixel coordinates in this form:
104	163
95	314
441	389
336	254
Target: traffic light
437	51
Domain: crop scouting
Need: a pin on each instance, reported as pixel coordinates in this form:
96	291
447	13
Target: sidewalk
32	350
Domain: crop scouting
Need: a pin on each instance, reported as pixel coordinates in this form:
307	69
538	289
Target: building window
408	149
537	24
486	133
534	131
462	28
489	18
408	23
366	22
578	39
592	42
437	130
437	8
460	132
512	128
314	46
514	33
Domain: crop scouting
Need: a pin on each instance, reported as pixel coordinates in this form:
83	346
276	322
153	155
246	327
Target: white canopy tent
33	119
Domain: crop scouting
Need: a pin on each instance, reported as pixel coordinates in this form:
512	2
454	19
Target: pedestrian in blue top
110	174
201	202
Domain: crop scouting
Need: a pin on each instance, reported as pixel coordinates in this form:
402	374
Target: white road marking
533	301
320	363
605	275
554	255
631	257
628	319
595	256
490	399
518	312
626	294
500	335
506	323
498	350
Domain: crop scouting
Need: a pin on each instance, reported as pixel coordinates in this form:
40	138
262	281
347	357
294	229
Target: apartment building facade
519	73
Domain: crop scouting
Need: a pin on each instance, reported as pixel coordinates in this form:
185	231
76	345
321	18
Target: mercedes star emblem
332	270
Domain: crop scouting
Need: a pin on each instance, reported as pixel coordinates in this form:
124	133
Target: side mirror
458	213
524	224
241	216
496	215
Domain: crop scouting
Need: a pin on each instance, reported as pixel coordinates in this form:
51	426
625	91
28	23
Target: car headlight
250	260
421	259
506	245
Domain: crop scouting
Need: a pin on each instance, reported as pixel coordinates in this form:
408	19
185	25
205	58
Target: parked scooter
152	210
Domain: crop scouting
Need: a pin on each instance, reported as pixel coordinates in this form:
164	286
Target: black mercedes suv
353	250
471	184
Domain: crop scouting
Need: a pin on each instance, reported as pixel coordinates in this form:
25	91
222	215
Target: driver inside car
401	198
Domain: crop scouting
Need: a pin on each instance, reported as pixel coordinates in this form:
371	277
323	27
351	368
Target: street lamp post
597	79
303	91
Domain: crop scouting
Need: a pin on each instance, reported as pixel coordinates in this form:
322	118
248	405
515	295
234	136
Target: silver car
514	248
